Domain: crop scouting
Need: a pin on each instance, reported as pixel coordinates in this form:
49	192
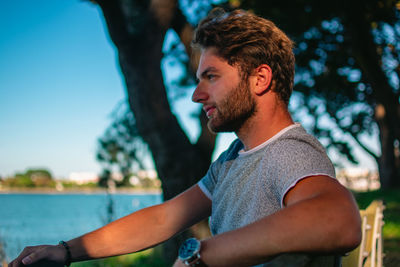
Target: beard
234	110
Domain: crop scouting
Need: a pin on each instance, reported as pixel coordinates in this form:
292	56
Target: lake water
32	219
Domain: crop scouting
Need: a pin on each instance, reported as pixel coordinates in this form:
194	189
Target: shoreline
76	191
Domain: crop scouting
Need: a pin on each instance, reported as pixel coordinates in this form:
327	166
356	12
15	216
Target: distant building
359	179
83	177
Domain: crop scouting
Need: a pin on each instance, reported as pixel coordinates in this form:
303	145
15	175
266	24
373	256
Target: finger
33	257
17	261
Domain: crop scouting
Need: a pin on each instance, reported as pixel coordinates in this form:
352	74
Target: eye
211	76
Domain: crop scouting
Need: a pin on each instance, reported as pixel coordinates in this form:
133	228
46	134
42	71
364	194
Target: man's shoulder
296	138
295	149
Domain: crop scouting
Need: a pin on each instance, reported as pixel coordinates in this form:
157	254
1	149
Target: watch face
188	249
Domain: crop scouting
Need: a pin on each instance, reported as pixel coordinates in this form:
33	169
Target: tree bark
137	28
388	163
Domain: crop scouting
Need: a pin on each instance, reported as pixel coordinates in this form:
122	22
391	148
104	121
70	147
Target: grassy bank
391	229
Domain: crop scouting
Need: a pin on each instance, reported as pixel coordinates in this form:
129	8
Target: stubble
234	110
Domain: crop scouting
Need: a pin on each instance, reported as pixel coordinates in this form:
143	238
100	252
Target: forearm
318	225
143	229
137	231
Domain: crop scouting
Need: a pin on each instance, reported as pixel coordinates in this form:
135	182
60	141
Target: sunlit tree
347	69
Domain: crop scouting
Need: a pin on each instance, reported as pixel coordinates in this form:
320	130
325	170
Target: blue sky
59	82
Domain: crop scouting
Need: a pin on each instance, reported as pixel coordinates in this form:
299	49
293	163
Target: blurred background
95	97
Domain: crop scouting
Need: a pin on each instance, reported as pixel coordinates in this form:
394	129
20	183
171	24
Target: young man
272	195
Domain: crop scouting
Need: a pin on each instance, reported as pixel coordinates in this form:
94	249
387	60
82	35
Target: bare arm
137	231
145	228
320	217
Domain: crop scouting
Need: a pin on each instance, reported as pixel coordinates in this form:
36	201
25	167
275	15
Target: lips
209	110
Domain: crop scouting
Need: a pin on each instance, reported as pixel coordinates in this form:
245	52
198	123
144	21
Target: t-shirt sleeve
208	182
295	160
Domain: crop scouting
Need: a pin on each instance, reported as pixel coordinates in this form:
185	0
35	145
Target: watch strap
196	262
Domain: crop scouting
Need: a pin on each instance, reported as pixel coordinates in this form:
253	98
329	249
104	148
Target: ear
263	75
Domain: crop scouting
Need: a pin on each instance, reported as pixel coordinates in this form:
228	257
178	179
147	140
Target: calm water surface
32	219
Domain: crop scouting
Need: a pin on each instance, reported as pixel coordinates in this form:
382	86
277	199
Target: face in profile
225	95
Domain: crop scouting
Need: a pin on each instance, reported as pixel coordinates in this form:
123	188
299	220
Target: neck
269	119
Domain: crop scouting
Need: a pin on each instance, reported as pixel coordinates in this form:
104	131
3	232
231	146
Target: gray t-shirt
245	186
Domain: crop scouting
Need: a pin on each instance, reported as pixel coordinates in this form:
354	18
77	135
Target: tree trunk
138	28
389	169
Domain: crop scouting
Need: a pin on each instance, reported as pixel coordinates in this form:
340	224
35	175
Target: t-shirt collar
276	136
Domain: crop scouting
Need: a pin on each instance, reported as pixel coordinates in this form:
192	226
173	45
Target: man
272	195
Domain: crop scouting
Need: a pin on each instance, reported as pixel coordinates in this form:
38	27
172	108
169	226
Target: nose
199	94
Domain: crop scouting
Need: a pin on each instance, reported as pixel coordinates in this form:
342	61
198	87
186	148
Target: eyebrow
206	71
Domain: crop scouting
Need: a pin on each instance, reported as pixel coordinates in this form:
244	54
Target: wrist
189	253
67	255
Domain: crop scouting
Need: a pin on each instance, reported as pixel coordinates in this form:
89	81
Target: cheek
223	88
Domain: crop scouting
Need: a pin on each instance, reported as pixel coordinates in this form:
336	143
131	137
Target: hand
51	256
179	263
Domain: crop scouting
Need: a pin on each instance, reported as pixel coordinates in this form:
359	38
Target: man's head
248	41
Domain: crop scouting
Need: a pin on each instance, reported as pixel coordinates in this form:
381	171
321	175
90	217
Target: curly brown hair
246	40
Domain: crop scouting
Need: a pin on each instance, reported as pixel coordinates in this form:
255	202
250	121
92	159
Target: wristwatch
189	253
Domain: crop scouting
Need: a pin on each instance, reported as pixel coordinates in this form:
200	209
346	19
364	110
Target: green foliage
39	173
73	185
121	147
31	178
347	58
391	199
146	258
19	181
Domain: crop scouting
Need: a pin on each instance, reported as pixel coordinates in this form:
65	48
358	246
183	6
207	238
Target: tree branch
365	52
185	32
363	146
